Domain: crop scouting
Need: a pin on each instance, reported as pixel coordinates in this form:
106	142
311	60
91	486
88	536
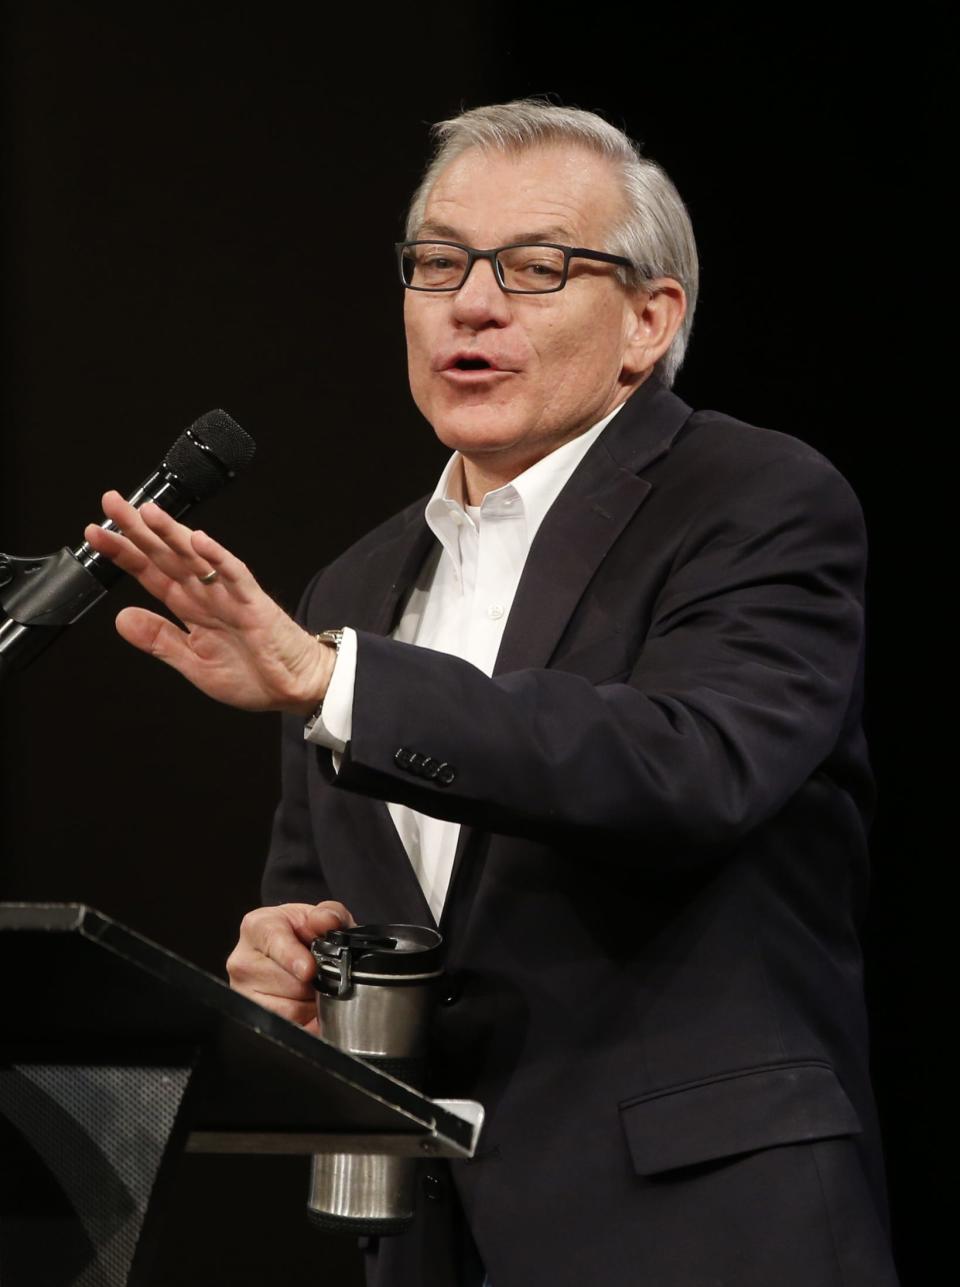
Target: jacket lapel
597	503
390	573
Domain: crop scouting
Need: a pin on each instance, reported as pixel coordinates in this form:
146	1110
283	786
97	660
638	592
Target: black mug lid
389	950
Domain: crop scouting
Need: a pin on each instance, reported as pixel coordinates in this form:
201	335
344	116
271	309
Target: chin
475	442
469	432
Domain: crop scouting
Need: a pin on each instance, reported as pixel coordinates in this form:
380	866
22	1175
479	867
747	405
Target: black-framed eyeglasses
534	268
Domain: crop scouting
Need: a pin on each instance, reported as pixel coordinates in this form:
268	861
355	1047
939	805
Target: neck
482	475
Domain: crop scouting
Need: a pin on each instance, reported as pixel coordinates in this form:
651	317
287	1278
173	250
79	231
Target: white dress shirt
459	605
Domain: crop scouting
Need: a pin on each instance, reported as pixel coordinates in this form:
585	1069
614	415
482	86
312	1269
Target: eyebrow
447	233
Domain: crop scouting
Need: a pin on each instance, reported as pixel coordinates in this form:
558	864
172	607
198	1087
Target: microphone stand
40	597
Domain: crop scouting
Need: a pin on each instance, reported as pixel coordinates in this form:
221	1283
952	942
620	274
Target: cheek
416	321
418	378
583	363
410	328
586	337
418	349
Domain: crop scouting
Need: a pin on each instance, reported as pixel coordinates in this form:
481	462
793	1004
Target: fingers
304	1014
148	538
129	558
165	542
253	972
272	956
188	555
167	536
231	571
174	564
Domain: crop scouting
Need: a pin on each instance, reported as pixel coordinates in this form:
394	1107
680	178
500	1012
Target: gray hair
656	235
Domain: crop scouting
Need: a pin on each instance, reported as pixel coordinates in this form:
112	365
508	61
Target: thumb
150	633
314	922
329	915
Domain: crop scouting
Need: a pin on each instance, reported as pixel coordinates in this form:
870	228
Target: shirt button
495	611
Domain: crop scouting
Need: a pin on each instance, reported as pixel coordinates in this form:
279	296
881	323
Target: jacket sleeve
740	688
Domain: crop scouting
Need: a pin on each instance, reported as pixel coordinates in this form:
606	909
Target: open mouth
467	363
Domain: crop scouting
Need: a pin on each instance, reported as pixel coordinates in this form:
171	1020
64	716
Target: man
609	687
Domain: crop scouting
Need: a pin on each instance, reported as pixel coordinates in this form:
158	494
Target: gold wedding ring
209	577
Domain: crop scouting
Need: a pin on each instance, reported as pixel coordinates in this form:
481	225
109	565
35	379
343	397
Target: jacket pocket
736	1112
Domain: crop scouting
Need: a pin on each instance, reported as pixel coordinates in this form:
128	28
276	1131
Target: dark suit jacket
655	975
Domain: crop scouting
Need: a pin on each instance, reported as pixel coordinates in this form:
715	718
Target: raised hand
236	644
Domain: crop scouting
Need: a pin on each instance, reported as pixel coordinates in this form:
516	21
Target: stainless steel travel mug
375	990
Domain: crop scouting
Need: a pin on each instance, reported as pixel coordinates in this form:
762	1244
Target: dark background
188	191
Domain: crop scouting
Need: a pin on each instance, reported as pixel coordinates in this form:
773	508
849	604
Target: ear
654	315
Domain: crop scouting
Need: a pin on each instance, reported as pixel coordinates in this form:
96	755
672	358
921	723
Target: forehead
557	192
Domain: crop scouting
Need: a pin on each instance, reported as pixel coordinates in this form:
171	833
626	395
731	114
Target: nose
480	302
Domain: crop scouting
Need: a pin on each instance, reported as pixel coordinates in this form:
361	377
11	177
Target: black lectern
115	1054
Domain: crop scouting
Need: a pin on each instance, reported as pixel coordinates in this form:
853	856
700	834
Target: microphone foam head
209	453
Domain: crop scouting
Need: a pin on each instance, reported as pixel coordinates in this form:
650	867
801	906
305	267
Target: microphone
40	597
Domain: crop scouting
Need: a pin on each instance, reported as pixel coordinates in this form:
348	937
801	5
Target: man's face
555	363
